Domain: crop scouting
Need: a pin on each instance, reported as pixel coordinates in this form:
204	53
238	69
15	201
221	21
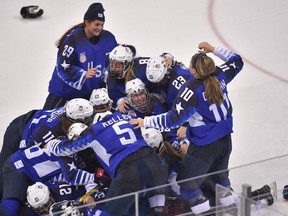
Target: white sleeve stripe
223	54
79	84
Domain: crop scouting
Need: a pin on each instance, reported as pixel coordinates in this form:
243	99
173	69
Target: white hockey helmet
156	69
80	110
75	130
154	138
100	97
100	116
39	198
136	86
122	54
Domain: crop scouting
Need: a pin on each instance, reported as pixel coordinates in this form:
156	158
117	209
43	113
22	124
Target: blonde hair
130	72
170	151
205	68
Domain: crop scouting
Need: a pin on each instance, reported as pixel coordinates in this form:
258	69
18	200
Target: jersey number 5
129	138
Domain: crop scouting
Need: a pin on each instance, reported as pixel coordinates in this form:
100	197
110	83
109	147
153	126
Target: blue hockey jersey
112	140
42	127
116	87
75	56
207	122
178	76
38	164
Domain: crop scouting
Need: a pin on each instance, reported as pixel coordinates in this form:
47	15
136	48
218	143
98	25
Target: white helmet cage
66	208
100	116
100	97
39	198
120	54
80	110
75	130
136	86
156	69
154	138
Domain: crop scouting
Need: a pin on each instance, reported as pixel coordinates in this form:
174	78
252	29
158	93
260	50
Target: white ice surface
257	30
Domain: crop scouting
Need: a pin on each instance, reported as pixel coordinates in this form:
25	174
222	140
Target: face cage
143	107
44	209
86	121
121	75
101	107
66	208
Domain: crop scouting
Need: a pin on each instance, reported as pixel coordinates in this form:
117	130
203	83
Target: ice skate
228	205
200	205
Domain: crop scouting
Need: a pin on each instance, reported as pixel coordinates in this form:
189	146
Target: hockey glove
31	11
100	193
101	178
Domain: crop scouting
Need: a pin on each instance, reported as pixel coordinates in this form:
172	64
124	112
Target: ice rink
257	30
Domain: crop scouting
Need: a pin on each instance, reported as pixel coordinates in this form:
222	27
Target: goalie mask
39	198
120	60
137	94
100	100
80	110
